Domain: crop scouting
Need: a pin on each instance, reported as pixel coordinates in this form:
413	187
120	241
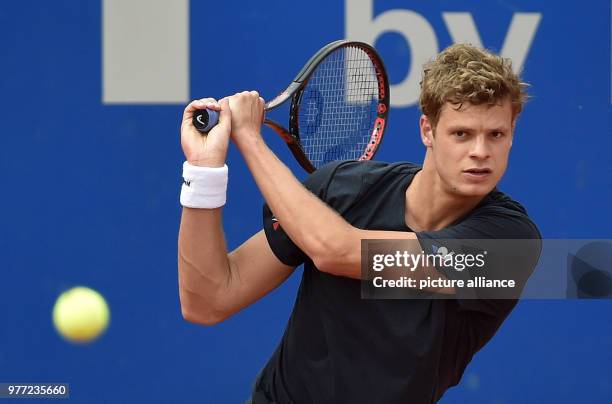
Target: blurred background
91	96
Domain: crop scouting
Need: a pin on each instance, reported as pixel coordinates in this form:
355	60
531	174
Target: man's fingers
209	103
249	99
251	93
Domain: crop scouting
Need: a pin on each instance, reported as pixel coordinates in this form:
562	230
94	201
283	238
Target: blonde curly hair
464	73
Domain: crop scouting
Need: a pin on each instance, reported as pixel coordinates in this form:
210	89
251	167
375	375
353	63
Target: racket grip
205	119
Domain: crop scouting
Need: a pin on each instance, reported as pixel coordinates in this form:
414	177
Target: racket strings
338	107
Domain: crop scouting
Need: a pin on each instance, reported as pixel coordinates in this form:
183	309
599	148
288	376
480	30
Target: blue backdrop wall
90	182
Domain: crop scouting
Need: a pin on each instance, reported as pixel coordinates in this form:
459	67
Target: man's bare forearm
311	224
203	264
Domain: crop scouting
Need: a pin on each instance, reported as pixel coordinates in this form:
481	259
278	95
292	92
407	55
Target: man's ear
427	131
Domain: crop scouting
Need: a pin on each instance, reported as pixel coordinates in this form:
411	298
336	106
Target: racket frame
295	90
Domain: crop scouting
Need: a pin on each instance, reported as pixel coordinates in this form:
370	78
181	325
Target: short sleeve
509	245
280	243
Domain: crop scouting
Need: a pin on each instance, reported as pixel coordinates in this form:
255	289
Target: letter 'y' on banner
517	43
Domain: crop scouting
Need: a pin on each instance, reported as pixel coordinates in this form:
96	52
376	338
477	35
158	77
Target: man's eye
460	134
497	135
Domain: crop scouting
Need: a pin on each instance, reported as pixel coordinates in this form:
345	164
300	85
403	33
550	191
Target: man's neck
430	206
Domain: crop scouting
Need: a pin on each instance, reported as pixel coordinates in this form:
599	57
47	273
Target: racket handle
205	119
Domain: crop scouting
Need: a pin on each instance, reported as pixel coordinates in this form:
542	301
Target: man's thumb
225	116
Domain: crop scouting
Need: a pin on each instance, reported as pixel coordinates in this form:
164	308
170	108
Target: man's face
470	147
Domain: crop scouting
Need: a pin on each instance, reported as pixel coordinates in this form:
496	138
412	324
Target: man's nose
480	147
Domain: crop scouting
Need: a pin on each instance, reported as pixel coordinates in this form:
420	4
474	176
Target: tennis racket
339	106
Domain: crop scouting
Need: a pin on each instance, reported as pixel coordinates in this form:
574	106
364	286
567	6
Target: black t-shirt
340	348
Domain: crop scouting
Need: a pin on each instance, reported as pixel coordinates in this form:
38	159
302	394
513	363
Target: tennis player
338	347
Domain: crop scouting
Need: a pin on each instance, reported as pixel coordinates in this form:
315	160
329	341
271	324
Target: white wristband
203	187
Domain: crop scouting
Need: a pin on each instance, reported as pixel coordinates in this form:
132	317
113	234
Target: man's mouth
478	174
478	170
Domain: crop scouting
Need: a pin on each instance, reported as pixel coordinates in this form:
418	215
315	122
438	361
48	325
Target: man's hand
206	150
247	116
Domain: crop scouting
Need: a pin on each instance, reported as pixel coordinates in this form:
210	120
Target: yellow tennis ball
80	314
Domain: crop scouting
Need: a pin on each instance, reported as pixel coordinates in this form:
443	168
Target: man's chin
474	190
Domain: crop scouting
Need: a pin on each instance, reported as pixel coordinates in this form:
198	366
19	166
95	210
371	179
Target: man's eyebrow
463	128
459	128
501	128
